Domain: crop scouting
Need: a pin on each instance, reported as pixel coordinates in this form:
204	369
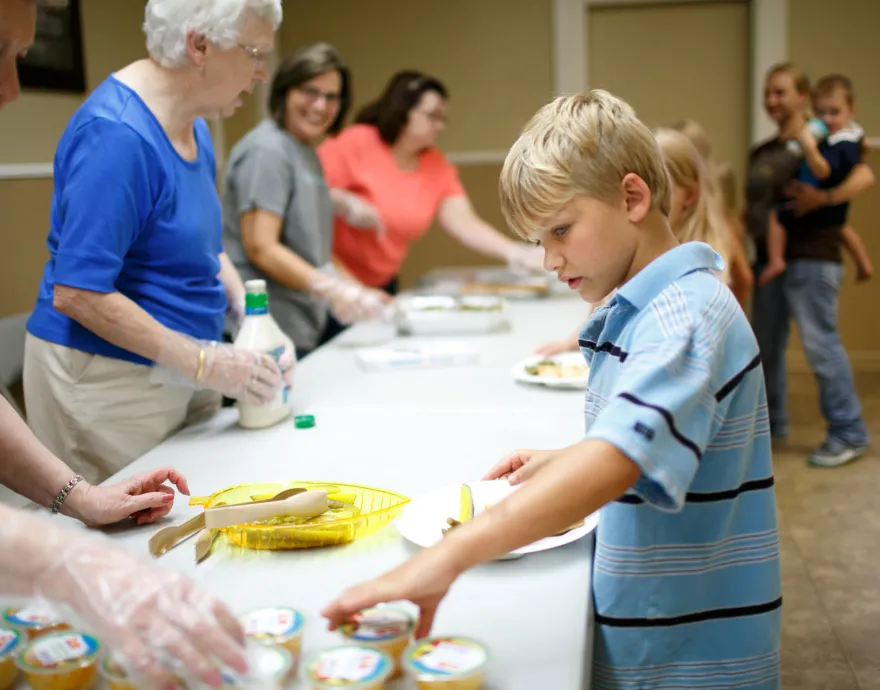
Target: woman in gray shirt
277	208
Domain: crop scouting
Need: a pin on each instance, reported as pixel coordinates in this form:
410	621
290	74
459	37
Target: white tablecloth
407	431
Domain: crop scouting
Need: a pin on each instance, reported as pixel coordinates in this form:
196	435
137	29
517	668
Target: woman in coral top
389	182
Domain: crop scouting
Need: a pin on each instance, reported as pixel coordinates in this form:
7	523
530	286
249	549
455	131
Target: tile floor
830	543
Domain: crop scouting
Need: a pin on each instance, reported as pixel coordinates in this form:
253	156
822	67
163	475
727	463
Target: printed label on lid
376	625
50	651
348	665
36	615
448	657
8	640
275	622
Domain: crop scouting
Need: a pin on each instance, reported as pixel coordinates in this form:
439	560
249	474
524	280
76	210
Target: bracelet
61	497
201	369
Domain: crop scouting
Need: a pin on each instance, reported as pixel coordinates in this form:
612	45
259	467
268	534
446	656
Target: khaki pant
99	414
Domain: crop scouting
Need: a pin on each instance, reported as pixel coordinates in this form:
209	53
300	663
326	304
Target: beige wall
493	55
499	71
29	132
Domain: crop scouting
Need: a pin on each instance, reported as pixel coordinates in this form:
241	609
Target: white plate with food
426	518
431	315
565	370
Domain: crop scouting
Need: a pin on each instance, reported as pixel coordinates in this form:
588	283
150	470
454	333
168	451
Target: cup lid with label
379	624
9	642
266	666
60	651
35	617
349	667
446	657
272	622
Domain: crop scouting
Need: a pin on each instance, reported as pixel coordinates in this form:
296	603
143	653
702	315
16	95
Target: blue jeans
808	292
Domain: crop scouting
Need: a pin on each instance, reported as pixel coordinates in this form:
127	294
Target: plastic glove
349	302
361	214
236	373
526	257
149	616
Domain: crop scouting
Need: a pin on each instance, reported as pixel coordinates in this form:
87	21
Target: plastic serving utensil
166	538
305	505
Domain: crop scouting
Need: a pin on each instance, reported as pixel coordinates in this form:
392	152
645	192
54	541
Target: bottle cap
255	286
304	421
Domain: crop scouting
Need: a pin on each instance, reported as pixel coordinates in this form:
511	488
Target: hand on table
424	580
145	498
520	465
555	347
156	621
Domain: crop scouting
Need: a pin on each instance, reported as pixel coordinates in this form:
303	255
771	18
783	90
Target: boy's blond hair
703	221
582	144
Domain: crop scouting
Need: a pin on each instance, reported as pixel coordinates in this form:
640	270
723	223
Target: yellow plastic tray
371	510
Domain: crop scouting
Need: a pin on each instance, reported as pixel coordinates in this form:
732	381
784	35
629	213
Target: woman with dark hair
397	182
278	214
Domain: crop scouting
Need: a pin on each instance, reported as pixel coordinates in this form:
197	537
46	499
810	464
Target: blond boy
677	449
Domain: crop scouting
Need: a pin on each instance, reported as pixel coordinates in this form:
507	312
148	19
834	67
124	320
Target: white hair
167	23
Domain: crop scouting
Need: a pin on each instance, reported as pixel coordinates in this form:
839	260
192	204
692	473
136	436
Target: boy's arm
573	485
650	437
820	167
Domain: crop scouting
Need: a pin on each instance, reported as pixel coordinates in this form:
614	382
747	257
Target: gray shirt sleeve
265	181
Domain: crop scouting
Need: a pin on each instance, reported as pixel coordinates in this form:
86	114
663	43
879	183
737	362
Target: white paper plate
520	374
424	519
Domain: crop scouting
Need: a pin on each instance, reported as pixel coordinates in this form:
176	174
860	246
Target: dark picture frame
55	61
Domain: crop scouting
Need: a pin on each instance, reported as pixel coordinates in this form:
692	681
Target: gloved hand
361	214
525	257
349	301
150	617
236	373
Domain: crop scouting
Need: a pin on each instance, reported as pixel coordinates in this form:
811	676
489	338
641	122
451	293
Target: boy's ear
637	197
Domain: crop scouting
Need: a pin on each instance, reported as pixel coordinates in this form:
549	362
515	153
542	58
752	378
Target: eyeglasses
261	55
314	94
435	117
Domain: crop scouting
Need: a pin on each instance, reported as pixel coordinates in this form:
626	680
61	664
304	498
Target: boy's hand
556	347
519	465
424	580
865	272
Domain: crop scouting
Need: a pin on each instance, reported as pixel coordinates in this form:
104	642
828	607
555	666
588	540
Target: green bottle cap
304	421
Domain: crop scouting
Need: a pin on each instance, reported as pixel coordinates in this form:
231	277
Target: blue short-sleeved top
686	571
130	215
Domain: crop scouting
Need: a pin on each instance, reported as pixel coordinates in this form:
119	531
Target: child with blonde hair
676	451
695	214
723	193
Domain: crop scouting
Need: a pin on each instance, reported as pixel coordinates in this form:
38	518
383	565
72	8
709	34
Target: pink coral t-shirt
357	160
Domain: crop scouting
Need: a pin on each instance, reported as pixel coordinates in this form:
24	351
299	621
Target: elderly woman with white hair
146	614
123	346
